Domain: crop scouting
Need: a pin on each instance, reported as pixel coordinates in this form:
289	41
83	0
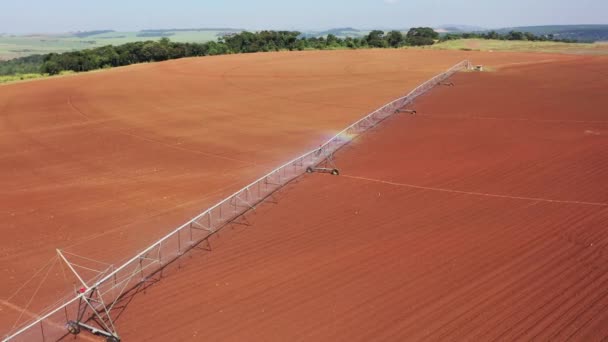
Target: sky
56	16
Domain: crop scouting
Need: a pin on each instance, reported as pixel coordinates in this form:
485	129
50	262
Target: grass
20	77
28	77
523	46
19	46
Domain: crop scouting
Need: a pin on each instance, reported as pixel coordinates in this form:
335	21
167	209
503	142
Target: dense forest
24	65
511	35
244	42
580	33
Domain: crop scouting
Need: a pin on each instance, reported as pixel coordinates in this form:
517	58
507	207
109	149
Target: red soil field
481	218
102	164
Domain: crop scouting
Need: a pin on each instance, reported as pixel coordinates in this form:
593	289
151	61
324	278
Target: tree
333	41
515	35
242	42
419	36
165	41
349	42
530	36
50	67
395	39
108	56
492	35
154	52
214	48
292	39
300	45
270	46
376	39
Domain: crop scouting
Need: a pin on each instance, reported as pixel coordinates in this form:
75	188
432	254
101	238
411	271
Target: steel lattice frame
95	302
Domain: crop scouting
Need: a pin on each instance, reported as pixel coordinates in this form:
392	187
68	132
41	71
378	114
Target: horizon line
303	30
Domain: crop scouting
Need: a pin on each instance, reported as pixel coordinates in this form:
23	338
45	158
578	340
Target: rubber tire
309	170
112	339
73	328
335	172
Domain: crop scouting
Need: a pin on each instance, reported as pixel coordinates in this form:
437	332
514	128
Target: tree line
244	42
511	35
20	66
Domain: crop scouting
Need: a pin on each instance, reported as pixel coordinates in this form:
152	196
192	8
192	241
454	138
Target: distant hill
582	33
161	33
85	34
206	29
454	28
342	32
13	46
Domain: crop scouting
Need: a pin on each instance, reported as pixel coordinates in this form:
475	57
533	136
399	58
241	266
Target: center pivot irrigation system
100	295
